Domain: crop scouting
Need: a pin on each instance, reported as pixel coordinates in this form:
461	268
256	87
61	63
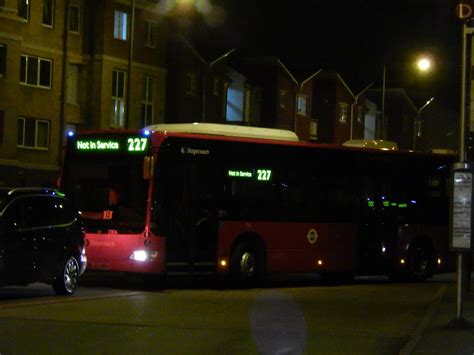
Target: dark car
41	239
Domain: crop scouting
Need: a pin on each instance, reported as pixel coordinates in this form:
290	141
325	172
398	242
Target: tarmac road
199	316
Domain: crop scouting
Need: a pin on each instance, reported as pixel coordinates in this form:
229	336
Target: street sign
464	10
461	209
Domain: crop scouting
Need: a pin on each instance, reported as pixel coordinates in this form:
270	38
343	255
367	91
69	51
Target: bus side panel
296	247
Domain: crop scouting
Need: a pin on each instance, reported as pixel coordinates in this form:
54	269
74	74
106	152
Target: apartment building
74	64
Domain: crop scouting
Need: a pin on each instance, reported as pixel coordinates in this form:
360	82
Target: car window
63	210
39	211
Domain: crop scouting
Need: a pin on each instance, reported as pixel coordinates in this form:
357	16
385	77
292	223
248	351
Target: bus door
376	228
191	224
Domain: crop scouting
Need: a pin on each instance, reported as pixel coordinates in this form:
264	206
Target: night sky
355	38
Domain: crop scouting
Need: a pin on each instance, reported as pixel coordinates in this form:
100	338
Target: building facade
74	64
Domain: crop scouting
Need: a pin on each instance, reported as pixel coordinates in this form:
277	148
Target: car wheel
66	281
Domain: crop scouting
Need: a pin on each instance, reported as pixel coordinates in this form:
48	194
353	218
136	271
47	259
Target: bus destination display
117	144
256	174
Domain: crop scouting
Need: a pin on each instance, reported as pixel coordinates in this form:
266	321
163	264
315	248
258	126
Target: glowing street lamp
424	64
417	122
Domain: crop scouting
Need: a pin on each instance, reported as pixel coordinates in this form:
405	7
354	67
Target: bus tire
247	263
420	262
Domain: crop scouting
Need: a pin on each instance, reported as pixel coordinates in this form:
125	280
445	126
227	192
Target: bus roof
371	143
226	130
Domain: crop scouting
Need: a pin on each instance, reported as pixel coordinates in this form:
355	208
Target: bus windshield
109	191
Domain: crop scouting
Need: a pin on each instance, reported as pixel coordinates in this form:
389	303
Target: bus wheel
419	263
247	263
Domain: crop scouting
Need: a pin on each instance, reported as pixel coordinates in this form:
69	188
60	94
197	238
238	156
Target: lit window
33	133
48	12
343	112
150	34
118	99
191	83
35	71
24	9
147	102
120	25
74	18
301	105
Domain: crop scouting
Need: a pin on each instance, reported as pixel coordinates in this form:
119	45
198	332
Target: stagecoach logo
312	236
192	151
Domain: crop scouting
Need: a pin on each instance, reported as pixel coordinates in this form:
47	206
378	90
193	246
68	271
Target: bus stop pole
462	133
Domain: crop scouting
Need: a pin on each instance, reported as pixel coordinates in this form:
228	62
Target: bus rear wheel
247	264
419	263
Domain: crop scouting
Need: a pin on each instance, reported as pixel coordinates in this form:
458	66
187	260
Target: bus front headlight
144	255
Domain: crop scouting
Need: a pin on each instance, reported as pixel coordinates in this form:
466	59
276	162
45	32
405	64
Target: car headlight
144	255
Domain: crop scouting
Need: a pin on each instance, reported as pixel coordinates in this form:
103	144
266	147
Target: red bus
244	201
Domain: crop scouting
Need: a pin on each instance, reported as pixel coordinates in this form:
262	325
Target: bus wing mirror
148	167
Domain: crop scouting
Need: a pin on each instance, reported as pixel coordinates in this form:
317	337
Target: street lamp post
418	119
206	74
423	64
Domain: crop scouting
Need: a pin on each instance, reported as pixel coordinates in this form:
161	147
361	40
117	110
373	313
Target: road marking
66	299
415	338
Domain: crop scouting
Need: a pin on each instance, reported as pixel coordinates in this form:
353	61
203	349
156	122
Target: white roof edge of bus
371	143
226	130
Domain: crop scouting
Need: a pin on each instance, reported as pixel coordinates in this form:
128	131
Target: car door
18	244
46	214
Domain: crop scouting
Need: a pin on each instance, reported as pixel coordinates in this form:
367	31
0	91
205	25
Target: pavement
442	330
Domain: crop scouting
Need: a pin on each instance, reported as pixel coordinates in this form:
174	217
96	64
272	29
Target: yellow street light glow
320	262
223	262
439	261
424	64
402	261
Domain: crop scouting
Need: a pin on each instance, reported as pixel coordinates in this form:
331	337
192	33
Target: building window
147	102
301	105
74	18
150	33
120	25
33	133
118	99
24	9
283	96
2	125
3	60
360	114
343	112
191	83
35	71
313	130
48	12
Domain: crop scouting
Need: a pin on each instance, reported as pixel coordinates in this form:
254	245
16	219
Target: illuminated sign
258	174
111	144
